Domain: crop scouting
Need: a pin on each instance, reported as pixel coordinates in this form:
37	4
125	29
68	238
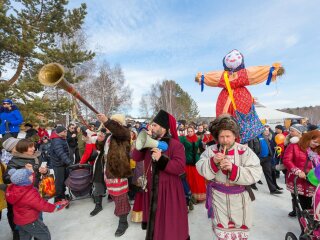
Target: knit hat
60	129
20	177
10	143
299	128
167	121
7	101
120	118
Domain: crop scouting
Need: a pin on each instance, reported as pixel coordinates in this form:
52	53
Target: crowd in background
62	146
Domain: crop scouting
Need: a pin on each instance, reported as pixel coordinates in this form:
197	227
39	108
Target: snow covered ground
270	220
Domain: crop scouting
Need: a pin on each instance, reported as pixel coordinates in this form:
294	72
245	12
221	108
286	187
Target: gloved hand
61	204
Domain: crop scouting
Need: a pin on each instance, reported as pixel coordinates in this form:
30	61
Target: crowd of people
201	163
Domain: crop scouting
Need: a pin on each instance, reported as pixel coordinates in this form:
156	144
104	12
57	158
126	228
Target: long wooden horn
52	74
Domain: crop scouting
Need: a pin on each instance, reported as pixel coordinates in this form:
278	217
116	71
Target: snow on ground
270	220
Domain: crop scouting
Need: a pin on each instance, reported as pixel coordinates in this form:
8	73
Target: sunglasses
5	103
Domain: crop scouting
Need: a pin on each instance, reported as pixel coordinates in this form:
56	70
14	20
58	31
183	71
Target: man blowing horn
117	158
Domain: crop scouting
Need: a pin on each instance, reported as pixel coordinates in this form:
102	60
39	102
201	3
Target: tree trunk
18	72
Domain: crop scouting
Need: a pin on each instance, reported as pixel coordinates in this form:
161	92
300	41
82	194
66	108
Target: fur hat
60	129
298	127
120	118
162	119
224	122
167	121
20	177
10	143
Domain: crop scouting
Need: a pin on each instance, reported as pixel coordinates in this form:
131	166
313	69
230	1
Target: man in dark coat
164	204
266	154
60	160
72	141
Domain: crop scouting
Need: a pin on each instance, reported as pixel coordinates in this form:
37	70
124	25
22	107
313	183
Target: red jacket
27	203
89	148
295	160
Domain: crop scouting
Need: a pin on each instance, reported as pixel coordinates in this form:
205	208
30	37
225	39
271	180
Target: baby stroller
306	220
79	181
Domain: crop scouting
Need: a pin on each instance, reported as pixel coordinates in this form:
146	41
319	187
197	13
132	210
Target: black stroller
306	221
79	181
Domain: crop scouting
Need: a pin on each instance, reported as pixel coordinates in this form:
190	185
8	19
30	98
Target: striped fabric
117	186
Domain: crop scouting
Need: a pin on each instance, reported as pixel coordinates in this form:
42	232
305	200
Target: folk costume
117	168
229	194
227	199
193	147
164	203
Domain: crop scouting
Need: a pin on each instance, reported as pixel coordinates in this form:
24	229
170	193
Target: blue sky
155	40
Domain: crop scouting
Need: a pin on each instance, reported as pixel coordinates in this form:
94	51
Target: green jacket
192	150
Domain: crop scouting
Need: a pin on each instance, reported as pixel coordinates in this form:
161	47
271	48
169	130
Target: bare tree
107	91
145	106
170	97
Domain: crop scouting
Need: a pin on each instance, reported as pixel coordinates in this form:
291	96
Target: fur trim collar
22	155
294	140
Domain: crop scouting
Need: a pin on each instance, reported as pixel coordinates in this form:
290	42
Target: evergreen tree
34	33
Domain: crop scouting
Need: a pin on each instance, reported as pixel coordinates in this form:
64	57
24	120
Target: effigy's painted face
233	59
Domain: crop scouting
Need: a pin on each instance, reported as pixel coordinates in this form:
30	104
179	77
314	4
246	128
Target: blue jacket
12	116
59	151
265	148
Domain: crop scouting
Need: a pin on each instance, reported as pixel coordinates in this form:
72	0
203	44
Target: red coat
27	203
89	148
169	213
295	160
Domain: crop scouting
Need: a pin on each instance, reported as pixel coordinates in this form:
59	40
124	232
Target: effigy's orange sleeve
212	78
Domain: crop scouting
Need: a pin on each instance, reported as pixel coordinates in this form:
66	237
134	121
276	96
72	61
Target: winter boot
193	200
293	213
190	205
98	207
123	225
110	198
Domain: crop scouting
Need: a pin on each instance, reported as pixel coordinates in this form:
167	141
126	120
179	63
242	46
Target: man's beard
155	135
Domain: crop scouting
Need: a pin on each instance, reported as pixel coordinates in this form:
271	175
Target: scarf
314	157
193	138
